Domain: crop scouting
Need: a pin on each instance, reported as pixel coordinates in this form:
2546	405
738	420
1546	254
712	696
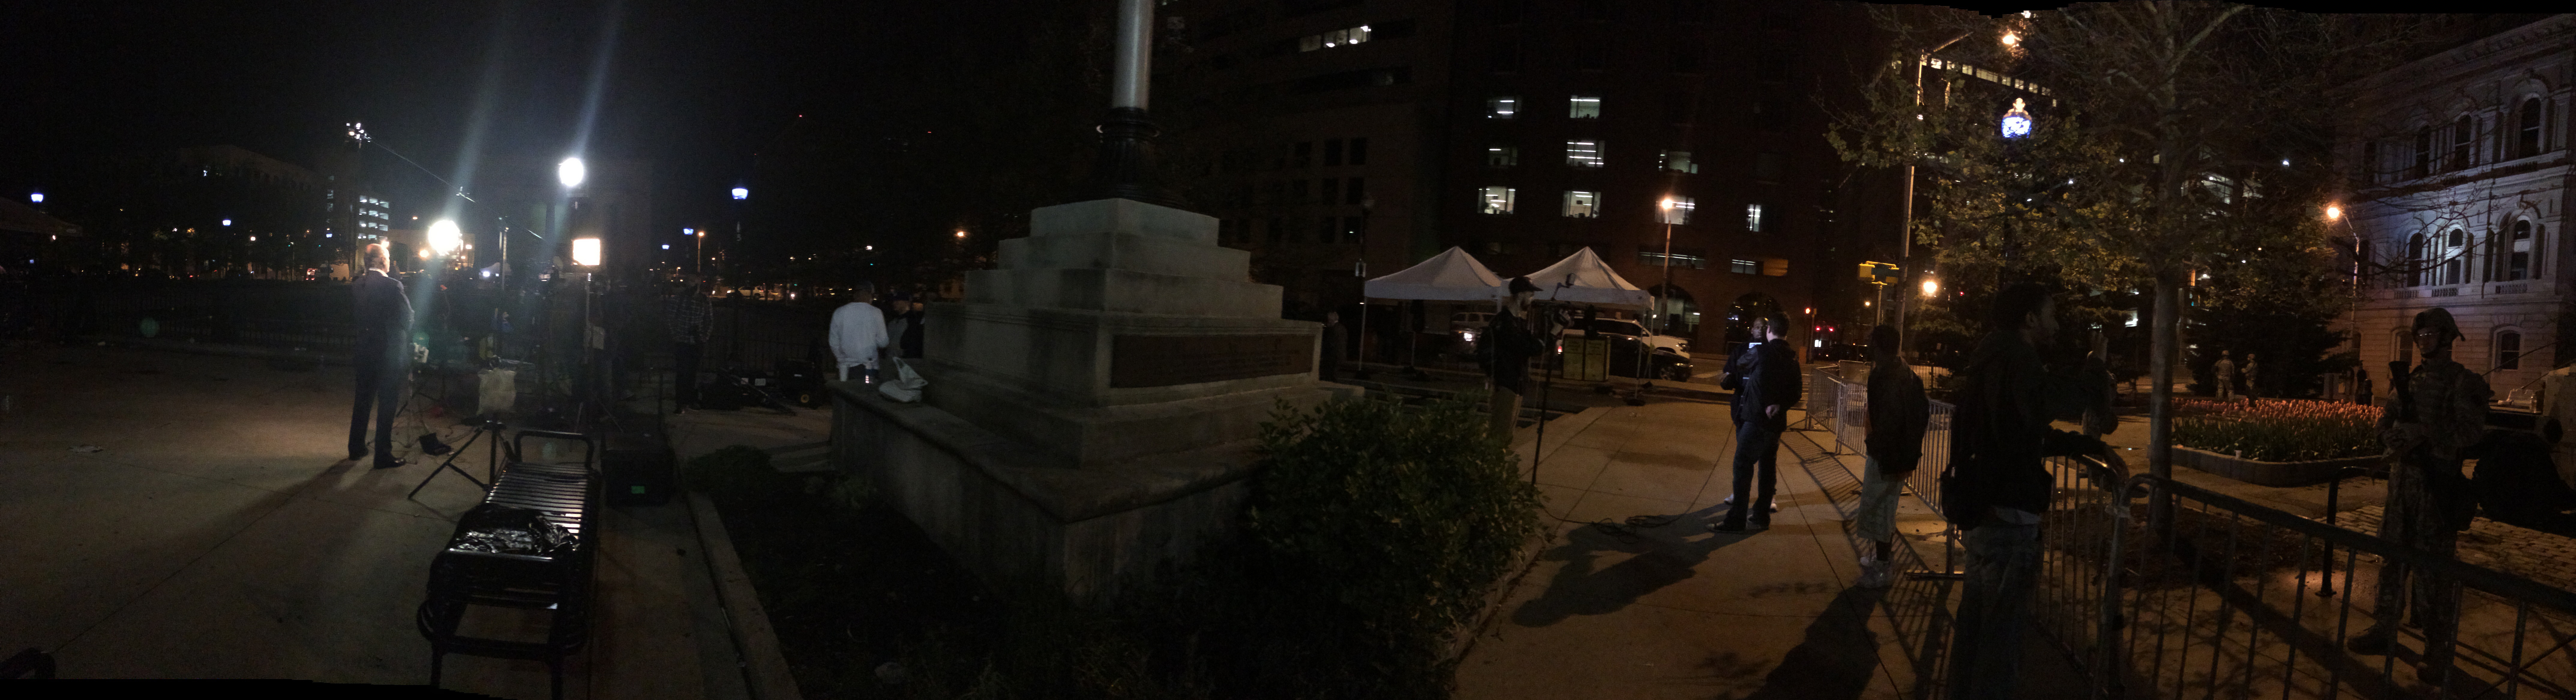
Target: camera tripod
492	454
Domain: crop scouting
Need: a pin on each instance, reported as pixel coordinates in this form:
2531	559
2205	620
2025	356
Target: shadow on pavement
1838	657
1665	555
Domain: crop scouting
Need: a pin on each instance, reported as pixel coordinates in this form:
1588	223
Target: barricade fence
2223	598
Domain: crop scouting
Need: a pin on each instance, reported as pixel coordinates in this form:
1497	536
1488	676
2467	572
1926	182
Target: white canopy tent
1453	275
1582	278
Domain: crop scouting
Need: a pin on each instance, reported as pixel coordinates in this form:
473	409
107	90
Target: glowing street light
961	233
741	193
228	222
571	172
2333	212
2012	39
1931	287
36	197
444	237
585	252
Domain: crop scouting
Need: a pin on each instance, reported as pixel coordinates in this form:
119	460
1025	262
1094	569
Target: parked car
1632	330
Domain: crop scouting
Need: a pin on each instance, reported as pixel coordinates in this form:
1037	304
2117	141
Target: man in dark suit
1765	385
382	356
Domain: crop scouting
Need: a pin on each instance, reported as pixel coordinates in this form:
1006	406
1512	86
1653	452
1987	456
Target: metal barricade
2237	600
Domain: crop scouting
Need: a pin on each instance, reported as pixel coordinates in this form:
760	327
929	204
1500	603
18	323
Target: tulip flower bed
2278	431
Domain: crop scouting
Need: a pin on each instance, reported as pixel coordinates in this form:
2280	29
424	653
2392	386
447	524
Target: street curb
221	349
764	667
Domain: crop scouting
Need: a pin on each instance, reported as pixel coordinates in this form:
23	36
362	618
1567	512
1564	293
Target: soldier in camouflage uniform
2448	404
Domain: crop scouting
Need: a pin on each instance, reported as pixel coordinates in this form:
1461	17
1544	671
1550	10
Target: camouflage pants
2413	520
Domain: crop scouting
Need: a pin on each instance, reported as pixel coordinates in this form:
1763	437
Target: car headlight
1469	336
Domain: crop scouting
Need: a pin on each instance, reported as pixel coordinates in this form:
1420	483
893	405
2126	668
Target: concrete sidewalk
220	533
1675	611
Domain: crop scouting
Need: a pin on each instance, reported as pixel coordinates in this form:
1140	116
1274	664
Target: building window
1677	107
1506	57
1583	153
1278	228
1769	167
2370	162
2528	142
1331	188
1502	107
2519	265
1654	257
1502	156
1744	267
1678	214
2423	154
2463	140
1297	192
1325	228
1302	155
1497	247
1359	151
1753	217
1332	152
1583	107
1582	205
1334	39
1496	200
1354	228
2508	350
2416	258
1678	162
1356	192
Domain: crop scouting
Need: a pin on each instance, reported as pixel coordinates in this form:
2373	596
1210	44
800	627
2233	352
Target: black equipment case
639	467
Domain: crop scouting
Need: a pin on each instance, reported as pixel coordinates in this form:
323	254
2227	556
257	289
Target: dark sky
694	86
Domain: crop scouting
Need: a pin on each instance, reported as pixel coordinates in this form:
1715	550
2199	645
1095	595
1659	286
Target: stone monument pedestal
1092	402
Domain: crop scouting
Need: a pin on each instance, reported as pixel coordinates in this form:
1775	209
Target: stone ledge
1124	216
1068	495
1125	291
2267	473
1126	251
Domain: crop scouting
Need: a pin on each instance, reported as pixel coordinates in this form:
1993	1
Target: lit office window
1583	153
1678	214
1502	107
1582	205
1679	162
1583	107
1497	200
1744	267
1502	156
1753	217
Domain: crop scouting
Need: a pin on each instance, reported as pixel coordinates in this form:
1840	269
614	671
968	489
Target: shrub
2278	431
1375	531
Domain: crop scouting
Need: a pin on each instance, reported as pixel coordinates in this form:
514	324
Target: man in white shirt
858	332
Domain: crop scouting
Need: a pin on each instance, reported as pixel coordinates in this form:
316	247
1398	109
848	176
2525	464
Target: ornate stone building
2458	184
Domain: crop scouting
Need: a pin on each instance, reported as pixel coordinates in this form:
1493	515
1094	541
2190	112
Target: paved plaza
218	532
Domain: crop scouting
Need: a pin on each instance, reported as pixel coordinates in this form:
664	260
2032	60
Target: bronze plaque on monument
1165	360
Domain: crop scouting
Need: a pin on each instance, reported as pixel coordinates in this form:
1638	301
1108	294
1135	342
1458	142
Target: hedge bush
2278	430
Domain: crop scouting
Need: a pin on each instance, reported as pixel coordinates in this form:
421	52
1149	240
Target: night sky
696	87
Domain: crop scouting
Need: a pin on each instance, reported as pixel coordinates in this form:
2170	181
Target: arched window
2415	259
2528	142
2423	164
2454	247
2463	138
2508	350
2518	254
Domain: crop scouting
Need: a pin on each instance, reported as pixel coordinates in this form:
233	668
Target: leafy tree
2174	137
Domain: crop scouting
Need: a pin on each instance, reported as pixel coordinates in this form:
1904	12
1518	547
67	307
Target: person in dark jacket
382	356
908	342
1337	342
1508	343
1765	387
1898	413
2001	439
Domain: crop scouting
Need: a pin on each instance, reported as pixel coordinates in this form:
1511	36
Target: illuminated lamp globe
571	172
444	237
1931	287
585	252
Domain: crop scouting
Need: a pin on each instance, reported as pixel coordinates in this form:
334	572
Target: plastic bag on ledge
907	384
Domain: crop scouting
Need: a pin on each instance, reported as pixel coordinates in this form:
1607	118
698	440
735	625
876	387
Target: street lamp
571	172
36	197
1931	286
2333	212
585	252
741	193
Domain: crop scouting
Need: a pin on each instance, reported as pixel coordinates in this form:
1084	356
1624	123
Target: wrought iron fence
2225	598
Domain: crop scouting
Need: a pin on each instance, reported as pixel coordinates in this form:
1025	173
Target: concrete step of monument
801	459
